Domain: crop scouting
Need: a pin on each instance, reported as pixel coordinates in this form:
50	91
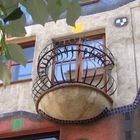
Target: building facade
113	25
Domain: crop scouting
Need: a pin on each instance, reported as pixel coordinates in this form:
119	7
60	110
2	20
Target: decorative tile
17	123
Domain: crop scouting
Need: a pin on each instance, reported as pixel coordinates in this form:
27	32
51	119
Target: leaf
16	14
5	75
38	10
9	5
56	8
17	54
16	27
7	54
2	10
4	46
73	12
1	25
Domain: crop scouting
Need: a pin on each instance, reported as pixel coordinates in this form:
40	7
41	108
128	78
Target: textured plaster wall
123	43
136	33
16	97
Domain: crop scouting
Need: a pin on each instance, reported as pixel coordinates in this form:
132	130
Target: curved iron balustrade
93	65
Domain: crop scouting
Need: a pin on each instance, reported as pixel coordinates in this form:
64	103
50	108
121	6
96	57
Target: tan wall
16	97
123	43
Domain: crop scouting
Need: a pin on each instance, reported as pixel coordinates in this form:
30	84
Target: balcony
74	80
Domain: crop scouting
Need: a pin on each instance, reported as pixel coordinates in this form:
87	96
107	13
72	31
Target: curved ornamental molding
74	80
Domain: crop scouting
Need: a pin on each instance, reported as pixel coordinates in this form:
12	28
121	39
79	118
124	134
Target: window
75	64
128	135
20	72
127	116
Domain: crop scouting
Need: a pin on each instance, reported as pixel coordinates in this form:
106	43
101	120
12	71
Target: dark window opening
128	135
41	136
127	116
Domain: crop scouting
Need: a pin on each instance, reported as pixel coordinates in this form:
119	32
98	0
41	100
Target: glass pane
93	43
20	72
65	71
91	63
67	54
29	52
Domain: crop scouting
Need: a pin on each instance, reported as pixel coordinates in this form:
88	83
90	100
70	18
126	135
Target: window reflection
20	72
65	70
66	53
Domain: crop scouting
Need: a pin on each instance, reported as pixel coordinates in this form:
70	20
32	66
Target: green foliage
16	54
9	5
2	10
4	47
56	8
16	14
13	22
16	27
73	13
5	75
38	10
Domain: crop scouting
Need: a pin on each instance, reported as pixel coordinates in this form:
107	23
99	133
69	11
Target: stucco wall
123	43
16	97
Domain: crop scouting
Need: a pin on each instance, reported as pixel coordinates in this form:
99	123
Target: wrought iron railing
60	64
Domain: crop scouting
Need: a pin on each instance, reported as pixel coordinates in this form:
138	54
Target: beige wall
123	43
16	97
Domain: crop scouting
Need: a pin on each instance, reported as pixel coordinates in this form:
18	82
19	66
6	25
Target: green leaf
38	10
56	8
17	54
4	47
1	26
16	14
16	27
9	5
73	12
2	10
5	75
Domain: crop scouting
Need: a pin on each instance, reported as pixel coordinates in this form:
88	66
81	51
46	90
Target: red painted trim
29	132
